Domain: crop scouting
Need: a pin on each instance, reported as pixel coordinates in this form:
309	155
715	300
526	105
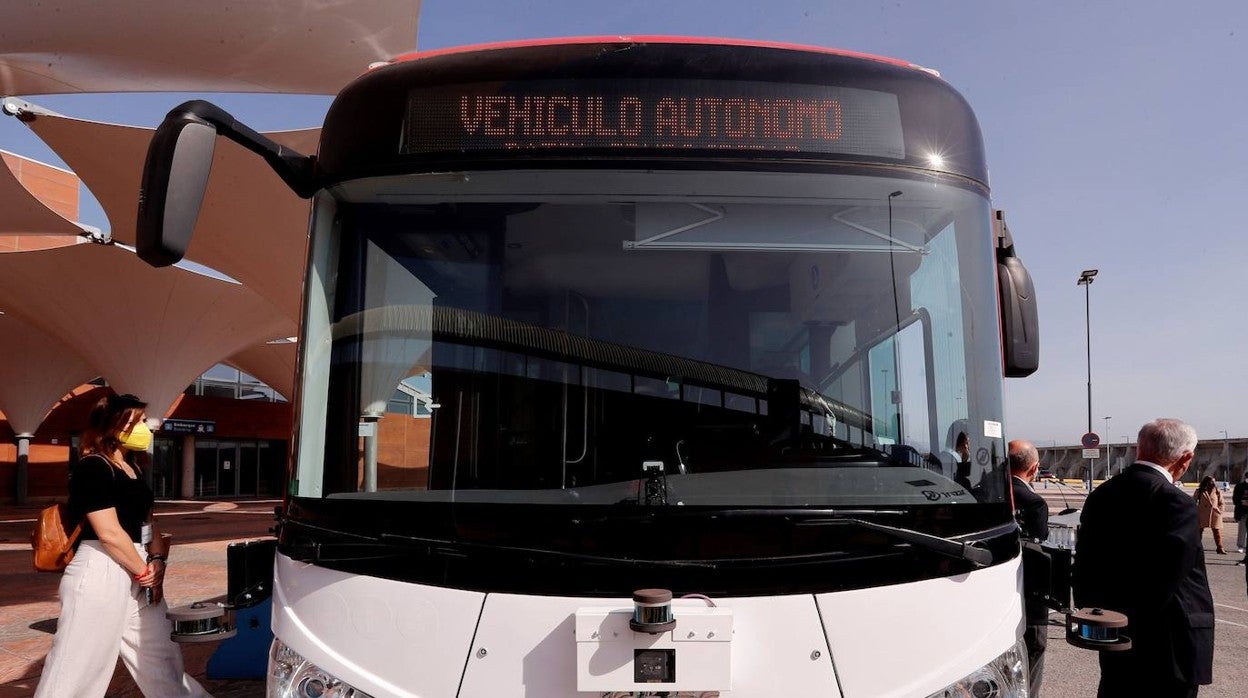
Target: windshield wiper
959	550
390	545
344	552
460	547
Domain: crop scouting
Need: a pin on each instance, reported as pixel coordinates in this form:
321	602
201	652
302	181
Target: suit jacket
1030	510
1139	553
1239	498
1032	514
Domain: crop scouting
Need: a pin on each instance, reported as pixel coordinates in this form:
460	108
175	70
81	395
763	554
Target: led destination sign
706	115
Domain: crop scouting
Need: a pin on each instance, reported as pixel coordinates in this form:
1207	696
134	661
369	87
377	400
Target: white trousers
104	613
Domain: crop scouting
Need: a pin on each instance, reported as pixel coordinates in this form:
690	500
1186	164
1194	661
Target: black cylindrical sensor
652	611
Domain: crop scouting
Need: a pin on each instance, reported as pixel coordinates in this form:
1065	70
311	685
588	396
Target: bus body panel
398	639
940	630
383	637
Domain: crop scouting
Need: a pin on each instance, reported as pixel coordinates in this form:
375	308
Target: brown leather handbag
54	548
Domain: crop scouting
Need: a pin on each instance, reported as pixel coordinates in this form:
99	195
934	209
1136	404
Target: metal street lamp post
1085	280
1226	455
1109	449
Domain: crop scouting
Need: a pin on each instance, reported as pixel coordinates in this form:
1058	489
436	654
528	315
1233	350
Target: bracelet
153	557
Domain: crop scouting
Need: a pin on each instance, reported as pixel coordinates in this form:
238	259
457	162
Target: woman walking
1209	510
121	558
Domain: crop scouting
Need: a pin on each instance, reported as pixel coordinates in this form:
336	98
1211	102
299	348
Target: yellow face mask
139	438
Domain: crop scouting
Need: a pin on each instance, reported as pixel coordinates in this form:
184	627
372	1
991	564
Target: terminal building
211	445
1224	459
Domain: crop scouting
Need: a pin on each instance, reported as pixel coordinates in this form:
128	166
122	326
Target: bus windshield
717	339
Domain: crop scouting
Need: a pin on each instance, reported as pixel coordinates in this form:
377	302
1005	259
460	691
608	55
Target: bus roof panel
651	39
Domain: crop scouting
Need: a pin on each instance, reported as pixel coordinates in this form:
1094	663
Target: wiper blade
360	547
630	512
959	550
390	545
969	551
344	552
461	546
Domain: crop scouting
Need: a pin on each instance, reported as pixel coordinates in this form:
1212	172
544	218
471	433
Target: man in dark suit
1139	553
1032	514
1239	498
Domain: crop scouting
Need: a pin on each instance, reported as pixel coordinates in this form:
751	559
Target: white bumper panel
913	639
384	637
530	647
409	640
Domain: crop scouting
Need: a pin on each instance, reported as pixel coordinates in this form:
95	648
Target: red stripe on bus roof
648	39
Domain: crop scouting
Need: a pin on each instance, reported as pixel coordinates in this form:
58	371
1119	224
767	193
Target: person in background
106	610
1209	510
956	457
1139	554
1032	514
1239	500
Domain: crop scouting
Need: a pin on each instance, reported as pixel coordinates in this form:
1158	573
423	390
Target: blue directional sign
188	426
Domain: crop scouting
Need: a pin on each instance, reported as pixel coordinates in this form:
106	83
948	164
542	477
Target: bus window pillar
188	467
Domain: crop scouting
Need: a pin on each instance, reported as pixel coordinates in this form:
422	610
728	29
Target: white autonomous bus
641	366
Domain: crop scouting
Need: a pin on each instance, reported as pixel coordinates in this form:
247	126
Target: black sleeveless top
94	484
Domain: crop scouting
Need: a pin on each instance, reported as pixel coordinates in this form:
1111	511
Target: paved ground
203	530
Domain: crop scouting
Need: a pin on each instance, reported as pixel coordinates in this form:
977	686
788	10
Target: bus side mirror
1020	321
175	175
179	160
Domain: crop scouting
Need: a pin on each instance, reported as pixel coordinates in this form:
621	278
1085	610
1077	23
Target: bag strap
73	535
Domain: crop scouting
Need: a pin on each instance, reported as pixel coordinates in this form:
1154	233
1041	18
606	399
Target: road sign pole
1091	451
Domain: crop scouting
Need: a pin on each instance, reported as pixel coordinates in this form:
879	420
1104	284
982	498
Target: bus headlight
292	676
1003	677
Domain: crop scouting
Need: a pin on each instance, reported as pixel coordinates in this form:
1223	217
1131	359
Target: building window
230	383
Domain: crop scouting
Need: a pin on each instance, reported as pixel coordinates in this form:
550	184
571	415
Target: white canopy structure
286	46
251	226
148	331
81	311
36	370
272	363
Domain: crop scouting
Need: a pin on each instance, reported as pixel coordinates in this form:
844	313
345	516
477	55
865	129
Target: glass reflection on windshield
727	353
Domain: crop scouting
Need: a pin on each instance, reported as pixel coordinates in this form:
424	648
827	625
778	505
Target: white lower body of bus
936	637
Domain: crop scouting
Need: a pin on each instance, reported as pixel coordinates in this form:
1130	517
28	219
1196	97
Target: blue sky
1116	139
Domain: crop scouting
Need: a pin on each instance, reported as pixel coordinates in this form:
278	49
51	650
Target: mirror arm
1005	241
297	170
